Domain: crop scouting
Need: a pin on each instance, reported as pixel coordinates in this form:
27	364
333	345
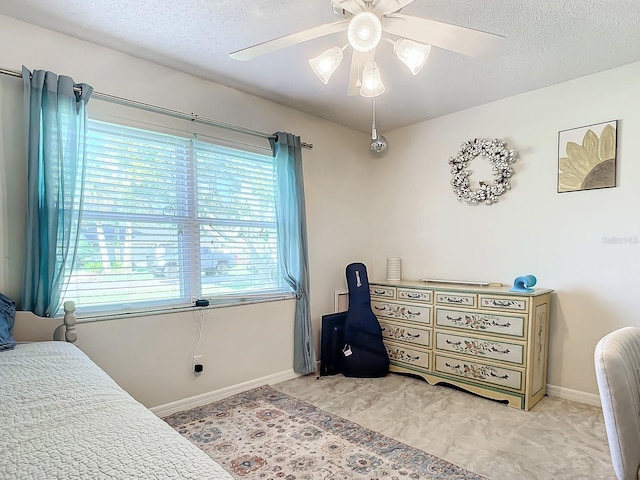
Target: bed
62	417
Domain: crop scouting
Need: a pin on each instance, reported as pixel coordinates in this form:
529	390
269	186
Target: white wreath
500	159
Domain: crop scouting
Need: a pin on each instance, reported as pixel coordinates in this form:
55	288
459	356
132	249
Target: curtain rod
166	111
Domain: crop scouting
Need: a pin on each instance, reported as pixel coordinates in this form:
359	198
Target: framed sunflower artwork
587	157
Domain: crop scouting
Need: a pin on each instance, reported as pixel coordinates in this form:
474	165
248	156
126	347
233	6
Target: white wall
560	238
150	356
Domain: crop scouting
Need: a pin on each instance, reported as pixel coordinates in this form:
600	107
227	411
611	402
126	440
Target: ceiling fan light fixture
326	63
413	54
365	31
372	85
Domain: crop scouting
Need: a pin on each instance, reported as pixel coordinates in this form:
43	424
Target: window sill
98	317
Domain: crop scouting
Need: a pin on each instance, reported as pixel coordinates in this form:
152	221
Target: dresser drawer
405	333
479	347
404	355
402	311
382	291
479	372
488	322
504	303
456	298
414	295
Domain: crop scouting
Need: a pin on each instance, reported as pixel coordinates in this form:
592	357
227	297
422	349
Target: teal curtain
55	126
292	243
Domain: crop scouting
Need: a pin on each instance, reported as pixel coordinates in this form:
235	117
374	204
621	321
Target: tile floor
556	439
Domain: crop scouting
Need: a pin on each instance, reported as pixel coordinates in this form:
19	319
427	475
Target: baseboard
573	395
205	398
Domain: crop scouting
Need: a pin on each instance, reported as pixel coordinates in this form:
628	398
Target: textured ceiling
547	42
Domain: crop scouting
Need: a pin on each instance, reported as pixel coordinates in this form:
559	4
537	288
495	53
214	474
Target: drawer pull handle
412	335
379	292
506	351
496	324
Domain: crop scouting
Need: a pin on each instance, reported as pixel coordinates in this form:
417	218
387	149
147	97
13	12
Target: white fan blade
385	7
352	6
289	40
358	59
444	35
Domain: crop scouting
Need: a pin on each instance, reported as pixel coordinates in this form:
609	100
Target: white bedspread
62	417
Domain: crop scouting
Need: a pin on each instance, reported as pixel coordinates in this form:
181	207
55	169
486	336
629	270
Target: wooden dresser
485	340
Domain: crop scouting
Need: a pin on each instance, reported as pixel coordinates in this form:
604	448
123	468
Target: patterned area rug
266	434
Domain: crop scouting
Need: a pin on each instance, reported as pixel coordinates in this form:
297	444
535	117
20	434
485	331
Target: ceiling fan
367	22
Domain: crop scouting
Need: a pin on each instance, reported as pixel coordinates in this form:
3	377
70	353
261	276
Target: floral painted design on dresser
478	322
488	348
416	296
396	311
539	345
455	299
478	372
481	372
477	347
485	322
401	355
504	303
381	291
400	333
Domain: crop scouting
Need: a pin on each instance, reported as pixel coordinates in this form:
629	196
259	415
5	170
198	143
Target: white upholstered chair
617	362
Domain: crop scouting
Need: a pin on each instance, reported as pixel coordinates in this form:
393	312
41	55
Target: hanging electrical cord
200	313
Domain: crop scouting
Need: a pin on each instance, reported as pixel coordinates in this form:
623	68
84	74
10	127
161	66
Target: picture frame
587	157
341	301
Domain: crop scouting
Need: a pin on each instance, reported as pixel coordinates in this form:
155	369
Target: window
168	219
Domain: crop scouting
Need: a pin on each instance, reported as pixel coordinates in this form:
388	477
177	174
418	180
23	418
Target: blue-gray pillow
7	319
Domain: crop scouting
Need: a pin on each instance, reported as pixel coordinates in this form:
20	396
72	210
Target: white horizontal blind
236	214
167	219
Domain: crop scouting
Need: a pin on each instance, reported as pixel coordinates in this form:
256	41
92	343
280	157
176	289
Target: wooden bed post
67	331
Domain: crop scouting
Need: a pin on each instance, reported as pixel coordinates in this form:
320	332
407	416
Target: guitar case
331	343
363	354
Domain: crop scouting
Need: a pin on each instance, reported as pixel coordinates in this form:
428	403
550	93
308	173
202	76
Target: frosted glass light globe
365	31
372	85
412	54
325	64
